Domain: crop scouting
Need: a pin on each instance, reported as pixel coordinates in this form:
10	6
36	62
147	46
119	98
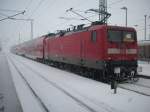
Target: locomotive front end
122	52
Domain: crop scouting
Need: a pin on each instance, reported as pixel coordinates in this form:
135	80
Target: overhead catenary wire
81	3
36	8
26	9
9	10
71	9
63	23
115	2
34	11
28	5
12	16
4	15
72	18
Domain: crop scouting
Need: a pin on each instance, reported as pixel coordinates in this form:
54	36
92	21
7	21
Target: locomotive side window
93	36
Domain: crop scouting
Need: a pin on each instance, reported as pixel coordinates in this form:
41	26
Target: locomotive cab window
114	36
121	36
93	36
128	36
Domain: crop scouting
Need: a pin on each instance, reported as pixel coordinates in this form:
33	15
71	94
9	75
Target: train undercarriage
119	71
122	70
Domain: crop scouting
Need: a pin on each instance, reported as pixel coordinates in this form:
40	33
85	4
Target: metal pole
31	29
126	16
125	8
106	10
145	26
19	37
31	23
149	32
99	10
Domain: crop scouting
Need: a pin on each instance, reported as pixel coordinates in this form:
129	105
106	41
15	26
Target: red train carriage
102	47
32	49
110	49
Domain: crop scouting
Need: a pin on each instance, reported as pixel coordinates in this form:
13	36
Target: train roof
83	27
112	27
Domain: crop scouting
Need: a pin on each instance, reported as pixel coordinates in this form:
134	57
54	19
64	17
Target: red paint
78	45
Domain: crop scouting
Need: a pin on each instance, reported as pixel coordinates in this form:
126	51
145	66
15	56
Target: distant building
144	50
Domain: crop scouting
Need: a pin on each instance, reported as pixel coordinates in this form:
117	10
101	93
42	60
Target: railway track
143	85
32	90
2	107
54	85
123	86
139	85
81	103
137	88
143	76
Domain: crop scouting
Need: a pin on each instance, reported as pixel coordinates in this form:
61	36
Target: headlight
117	70
113	51
131	51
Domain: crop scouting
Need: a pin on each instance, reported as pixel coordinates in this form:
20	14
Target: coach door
45	48
82	51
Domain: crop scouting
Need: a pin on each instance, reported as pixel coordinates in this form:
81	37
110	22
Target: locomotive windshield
128	36
121	36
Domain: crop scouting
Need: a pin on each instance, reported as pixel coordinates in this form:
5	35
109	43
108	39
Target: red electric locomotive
112	50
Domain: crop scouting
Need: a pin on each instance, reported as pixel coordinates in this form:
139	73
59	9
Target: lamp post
136	25
99	10
145	27
19	41
126	10
149	32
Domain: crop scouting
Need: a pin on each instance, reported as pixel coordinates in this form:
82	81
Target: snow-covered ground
62	91
145	68
9	101
28	102
142	86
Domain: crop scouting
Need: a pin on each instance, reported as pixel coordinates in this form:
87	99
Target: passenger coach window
93	36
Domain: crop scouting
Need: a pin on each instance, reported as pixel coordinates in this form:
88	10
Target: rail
32	90
80	102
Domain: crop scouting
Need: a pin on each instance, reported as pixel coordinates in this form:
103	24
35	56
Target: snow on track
80	99
28	101
65	101
95	95
138	88
32	90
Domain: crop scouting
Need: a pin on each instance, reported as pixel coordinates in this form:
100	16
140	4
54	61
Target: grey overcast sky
47	13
